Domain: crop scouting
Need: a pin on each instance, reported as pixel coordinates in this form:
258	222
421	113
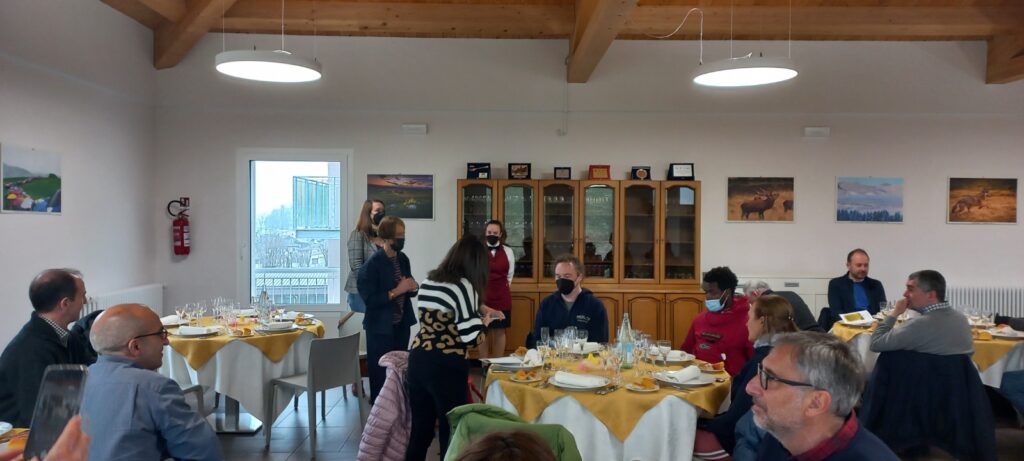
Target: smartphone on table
60	398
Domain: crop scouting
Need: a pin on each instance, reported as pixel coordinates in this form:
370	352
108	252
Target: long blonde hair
777	314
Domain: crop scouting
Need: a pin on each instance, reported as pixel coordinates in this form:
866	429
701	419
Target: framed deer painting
982	201
760	200
869	199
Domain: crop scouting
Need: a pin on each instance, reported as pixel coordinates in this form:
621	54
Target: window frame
244	205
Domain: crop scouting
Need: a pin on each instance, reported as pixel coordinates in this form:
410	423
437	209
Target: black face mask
493	240
398	244
565	286
378	217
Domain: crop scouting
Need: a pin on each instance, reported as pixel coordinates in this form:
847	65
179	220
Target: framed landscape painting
982	201
31	180
408	196
869	199
760	199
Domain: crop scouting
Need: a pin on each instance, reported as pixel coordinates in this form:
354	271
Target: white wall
76	79
917	110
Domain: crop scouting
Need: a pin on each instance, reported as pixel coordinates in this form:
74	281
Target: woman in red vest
498	294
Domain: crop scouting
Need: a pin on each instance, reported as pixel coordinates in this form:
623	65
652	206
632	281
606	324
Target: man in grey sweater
939	330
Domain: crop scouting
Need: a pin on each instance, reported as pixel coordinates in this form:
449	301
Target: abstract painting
869	199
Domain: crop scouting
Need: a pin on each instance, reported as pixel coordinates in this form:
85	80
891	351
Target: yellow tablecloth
197	351
986	351
620	410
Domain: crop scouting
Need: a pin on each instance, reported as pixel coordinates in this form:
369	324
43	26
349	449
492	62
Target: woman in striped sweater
451	320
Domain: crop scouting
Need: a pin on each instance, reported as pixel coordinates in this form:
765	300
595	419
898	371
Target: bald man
143	414
57	297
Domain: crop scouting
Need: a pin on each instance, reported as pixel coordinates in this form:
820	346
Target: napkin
573	379
245	312
170	320
504	360
588	348
1005	330
187	330
279	325
682	376
532	358
677	356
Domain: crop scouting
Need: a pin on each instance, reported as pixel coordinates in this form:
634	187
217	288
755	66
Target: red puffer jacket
725	332
386	435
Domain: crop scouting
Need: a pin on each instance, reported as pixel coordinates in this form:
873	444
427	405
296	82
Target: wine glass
581	338
181	312
664	347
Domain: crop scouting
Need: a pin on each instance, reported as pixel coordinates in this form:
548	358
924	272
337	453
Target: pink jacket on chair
386	435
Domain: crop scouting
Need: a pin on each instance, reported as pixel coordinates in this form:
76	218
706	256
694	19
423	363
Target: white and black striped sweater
460	300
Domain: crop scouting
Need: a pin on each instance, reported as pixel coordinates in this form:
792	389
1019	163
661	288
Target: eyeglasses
162	333
764	376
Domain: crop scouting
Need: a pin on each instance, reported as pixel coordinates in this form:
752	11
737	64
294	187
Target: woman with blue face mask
720	333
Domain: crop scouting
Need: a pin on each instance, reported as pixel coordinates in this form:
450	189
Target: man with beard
855	291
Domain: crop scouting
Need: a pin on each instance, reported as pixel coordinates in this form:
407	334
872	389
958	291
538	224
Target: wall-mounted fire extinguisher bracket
180	233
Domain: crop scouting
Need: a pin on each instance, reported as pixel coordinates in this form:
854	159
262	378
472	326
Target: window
295	250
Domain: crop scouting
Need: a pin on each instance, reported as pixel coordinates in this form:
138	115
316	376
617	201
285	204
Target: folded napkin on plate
679	356
573	379
588	348
170	320
187	330
533	358
682	376
503	361
245	312
279	325
1005	330
291	315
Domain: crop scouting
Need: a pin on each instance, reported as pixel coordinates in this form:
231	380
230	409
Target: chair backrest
472	421
333	362
352	323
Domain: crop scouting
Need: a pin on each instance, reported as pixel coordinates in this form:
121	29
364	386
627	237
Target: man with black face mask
570	305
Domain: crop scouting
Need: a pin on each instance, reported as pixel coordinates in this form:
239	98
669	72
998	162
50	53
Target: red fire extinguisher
180	227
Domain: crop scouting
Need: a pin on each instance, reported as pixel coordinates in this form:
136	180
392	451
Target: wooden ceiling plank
583	12
174	40
137	11
171	10
599	32
1005	59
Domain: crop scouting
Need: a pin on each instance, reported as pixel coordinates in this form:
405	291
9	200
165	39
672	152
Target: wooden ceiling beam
174	40
1005	59
599	31
150	13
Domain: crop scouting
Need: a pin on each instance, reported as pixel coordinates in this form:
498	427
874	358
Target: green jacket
470	422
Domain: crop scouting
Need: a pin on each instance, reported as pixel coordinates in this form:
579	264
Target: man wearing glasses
135	412
804	394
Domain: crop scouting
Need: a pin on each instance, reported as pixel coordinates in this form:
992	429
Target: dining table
615	423
993	357
240	367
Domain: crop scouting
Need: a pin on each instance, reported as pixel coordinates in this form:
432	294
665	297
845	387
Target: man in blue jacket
570	305
855	291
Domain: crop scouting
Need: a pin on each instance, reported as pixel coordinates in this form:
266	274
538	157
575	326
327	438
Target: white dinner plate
269	331
176	323
5	428
198	335
700	380
1001	335
573	387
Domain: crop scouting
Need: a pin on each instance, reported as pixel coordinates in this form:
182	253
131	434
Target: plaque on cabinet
600	172
563	172
680	171
478	171
642	173
519	171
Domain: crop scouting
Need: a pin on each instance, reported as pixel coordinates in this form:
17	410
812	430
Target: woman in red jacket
498	295
720	333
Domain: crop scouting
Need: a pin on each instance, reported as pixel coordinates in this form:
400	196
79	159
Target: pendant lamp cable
680	26
223	38
282	25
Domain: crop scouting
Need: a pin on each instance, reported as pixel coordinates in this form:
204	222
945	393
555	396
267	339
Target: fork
607	390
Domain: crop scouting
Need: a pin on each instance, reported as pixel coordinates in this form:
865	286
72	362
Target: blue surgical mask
713	305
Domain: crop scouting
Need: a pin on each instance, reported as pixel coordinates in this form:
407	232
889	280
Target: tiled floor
338	436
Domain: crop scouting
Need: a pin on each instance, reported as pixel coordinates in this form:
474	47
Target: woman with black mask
386	285
362	243
499	292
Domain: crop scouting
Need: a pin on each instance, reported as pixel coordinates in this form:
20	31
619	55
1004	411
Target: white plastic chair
332	363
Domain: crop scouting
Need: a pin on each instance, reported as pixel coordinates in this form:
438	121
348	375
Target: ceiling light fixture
747	70
277	66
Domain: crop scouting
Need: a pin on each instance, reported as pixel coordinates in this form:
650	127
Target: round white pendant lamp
745	71
268	66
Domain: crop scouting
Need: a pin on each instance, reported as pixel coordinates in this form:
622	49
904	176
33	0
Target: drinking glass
664	347
545	337
581	338
180	312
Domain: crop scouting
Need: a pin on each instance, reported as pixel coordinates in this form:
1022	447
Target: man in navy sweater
804	394
855	291
570	305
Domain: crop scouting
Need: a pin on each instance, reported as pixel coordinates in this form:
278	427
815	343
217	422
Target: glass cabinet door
680	233
559	232
477	206
517	215
638	231
599	231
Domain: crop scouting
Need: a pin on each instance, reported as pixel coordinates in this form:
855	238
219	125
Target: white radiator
151	295
1002	300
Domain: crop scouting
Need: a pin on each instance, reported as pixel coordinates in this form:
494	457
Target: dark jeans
378	344
437	384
